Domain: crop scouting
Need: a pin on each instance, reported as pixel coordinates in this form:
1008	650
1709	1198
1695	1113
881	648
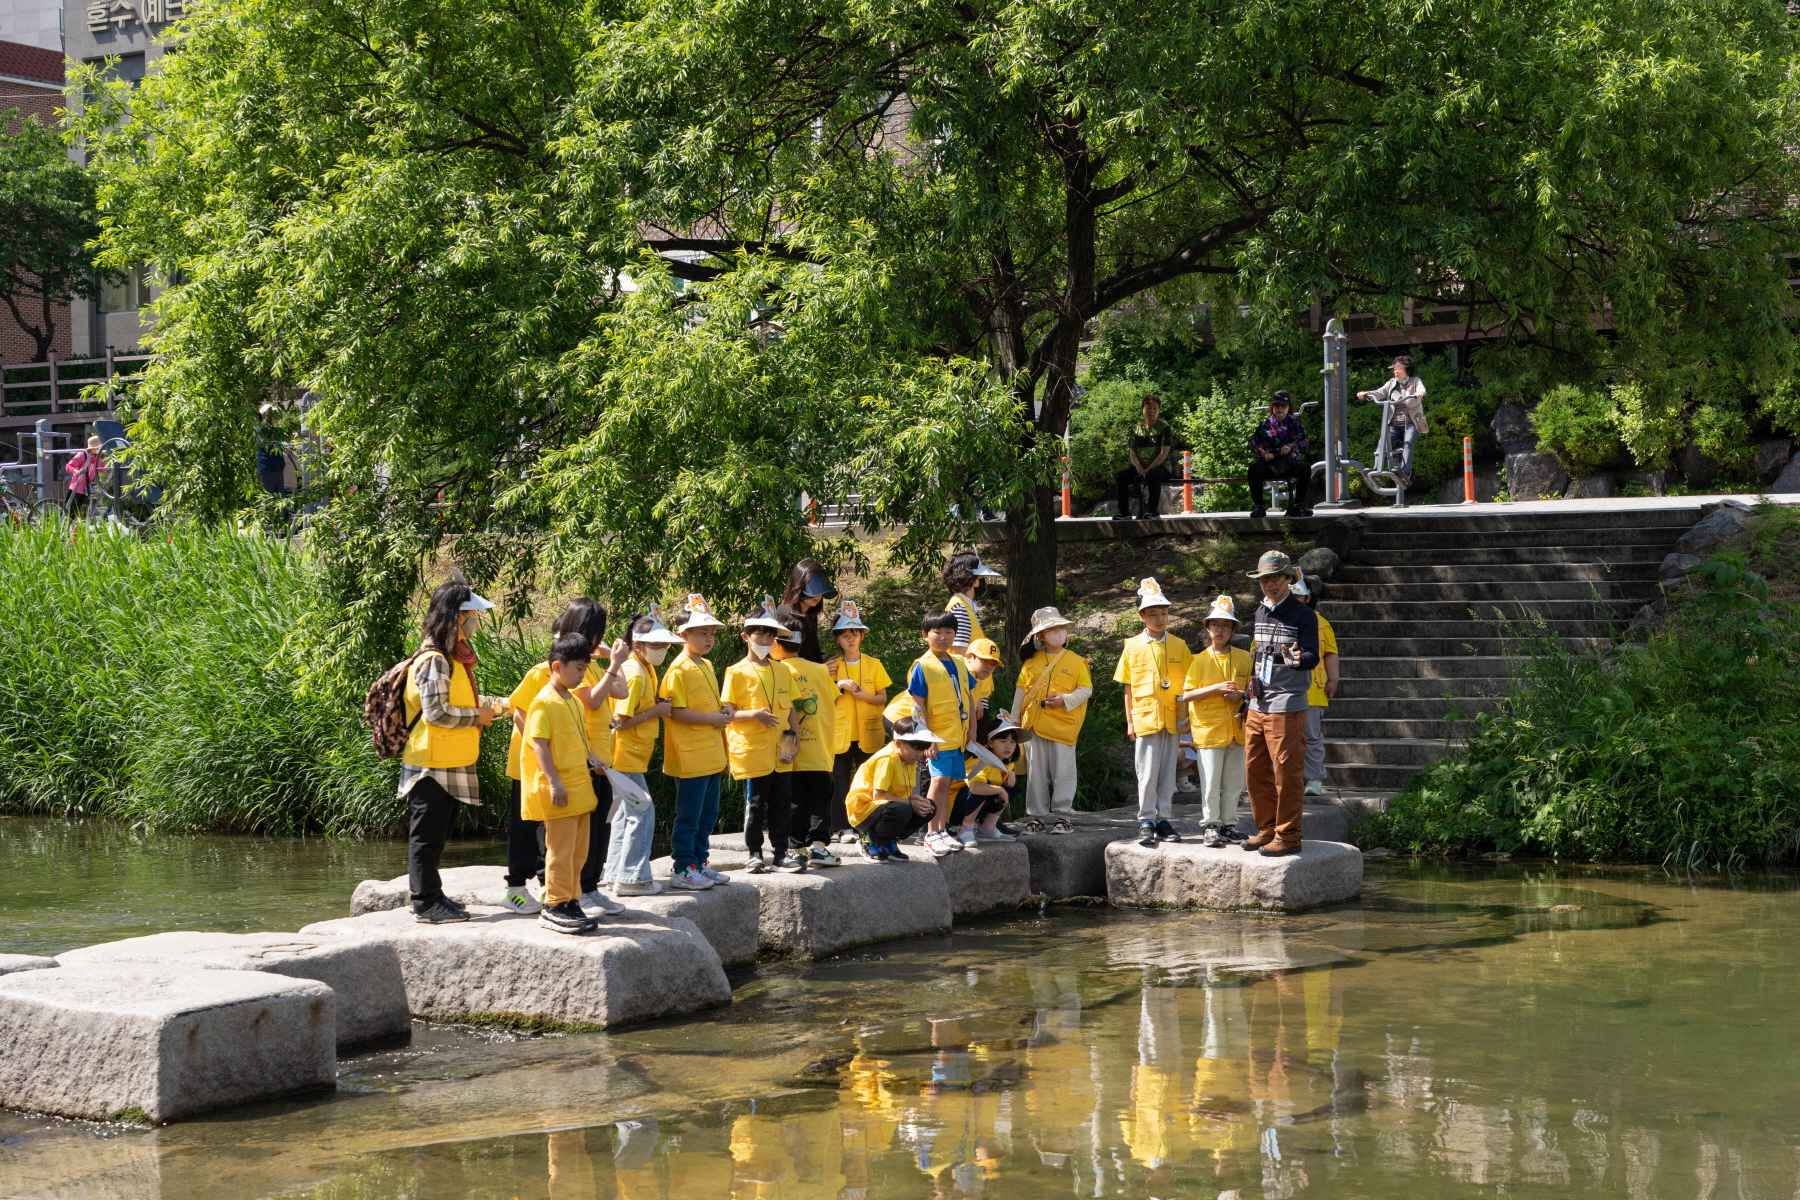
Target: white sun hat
698	614
848	617
659	635
1150	595
1298	587
1047	618
767	619
983	571
922	736
477	603
1224	609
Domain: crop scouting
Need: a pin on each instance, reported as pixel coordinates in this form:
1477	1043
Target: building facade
31	84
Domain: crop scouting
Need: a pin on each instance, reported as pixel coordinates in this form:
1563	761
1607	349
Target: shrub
1580	427
1686	750
1217	428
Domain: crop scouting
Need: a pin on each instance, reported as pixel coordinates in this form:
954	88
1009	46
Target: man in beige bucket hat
1284	650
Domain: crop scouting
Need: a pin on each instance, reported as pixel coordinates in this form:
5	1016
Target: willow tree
623	285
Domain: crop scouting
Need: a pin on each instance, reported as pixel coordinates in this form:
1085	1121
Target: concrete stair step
1388	728
1398	752
1345	614
1448	647
1485	555
1437	521
1419	689
1461	667
1643	535
1357	708
1420	575
1470	591
1363	776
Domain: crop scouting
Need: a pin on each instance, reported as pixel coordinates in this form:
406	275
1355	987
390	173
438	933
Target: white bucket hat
1150	595
1224	609
767	619
659	635
698	614
1047	618
848	617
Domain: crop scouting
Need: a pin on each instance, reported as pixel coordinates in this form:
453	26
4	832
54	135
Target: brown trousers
1274	771
565	849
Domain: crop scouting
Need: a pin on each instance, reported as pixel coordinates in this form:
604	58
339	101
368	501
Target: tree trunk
1030	564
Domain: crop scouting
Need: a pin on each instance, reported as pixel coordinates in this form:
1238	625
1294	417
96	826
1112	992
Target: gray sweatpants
1049	778
1155	755
1315	744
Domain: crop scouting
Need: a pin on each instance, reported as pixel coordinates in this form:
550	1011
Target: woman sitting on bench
1278	449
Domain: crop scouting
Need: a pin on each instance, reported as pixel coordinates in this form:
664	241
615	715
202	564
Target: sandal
1034	826
1061	826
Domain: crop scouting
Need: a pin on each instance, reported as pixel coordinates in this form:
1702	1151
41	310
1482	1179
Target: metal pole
46	472
1336	376
55	387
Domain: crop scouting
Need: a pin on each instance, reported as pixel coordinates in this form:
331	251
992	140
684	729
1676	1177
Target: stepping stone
983	878
1071	864
1318	822
821	912
506	968
130	1042
1189	875
727	917
485	886
24	962
365	975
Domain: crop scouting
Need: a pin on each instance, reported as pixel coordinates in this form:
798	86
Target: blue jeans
696	812
628	855
1406	435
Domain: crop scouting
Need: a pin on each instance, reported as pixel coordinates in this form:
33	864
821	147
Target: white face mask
1055	637
468	623
654	655
758	652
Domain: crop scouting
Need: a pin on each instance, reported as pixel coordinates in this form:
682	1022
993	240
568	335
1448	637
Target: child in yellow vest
1216	680
525	839
976	808
884	804
809	774
1051	701
694	746
637	719
763	733
558	788
1323	690
1153	667
942	693
984	663
862	684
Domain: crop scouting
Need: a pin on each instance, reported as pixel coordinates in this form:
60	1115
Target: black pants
894	821
767	804
1284	466
843	774
1154	478
525	839
809	799
428	828
969	807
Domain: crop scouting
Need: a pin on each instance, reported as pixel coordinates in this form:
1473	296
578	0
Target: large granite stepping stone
1071	864
1318	822
504	967
983	878
485	886
823	911
127	1041
24	962
371	995
1189	875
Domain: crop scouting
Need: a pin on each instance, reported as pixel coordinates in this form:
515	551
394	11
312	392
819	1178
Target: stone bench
365	975
127	1041
1189	875
504	967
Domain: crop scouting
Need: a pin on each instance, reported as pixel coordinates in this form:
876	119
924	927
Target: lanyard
1161	649
699	665
765	679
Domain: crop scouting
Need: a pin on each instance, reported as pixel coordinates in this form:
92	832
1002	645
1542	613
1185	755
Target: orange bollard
1468	470
1187	482
1068	497
813	506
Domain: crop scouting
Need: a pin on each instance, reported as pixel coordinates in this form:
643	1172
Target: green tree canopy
639	275
47	218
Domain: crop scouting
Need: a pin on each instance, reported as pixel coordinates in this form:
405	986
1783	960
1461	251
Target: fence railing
29	392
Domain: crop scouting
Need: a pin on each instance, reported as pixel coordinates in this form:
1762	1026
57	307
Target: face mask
468	624
654	655
1054	638
758	652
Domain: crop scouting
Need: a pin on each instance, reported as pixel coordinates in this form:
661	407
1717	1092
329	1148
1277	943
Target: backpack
385	710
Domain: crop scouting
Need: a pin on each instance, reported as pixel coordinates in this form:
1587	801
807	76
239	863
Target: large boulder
1189	875
1487	486
1788	481
1072	864
1697	467
727	917
1771	456
1675	568
1322	561
1532	476
24	962
503	967
818	913
1713	531
129	1042
1318	822
1594	487
1342	536
481	885
371	995
986	877
1512	428
1654	482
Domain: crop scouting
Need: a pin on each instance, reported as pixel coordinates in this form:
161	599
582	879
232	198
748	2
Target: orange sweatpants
565	849
1274	770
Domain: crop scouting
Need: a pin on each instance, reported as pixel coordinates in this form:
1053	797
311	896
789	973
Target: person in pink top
84	475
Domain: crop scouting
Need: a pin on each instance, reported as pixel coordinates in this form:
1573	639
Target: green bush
1685	750
1100	431
1580	427
1218	427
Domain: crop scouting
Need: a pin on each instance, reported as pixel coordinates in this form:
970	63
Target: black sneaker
440	913
1147	833
1231	833
792	863
567	917
1008	830
1166	832
755	865
1257	514
455	906
1119	516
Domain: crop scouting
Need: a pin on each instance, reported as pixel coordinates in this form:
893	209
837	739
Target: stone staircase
1417	608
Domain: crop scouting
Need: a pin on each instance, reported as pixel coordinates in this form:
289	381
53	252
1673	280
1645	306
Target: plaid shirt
1272	435
432	674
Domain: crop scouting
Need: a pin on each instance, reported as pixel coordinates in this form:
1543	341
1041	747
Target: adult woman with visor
808	587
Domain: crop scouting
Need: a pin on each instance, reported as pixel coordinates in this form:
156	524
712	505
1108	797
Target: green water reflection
1449	1035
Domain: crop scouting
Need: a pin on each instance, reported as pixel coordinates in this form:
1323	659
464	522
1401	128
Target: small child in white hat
1216	680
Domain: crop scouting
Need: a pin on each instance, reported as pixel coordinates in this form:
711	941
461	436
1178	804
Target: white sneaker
711	874
1185	783
941	844
598	900
1315	787
648	887
966	835
537	891
819	856
518	900
690	880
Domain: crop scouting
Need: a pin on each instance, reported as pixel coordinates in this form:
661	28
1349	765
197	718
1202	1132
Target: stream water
1512	1030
